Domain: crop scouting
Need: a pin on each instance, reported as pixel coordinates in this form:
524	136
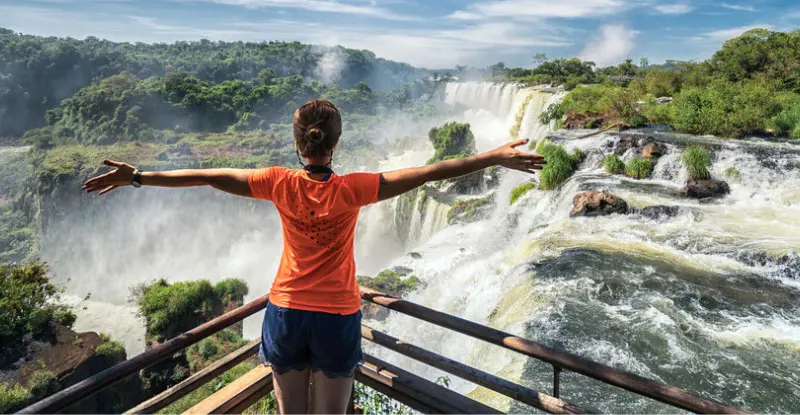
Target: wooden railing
382	376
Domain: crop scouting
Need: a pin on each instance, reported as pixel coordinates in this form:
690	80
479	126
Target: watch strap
137	178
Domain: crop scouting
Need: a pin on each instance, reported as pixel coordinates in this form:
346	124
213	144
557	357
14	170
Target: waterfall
707	300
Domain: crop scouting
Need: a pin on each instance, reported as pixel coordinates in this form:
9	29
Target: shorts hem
335	375
281	369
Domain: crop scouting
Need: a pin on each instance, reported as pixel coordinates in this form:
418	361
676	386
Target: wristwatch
137	178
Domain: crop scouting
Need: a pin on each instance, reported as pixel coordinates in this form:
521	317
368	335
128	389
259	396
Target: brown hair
317	128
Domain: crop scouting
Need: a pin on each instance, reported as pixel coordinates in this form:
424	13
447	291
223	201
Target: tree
643	62
539	58
498	69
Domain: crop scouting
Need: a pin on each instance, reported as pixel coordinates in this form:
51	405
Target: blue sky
429	33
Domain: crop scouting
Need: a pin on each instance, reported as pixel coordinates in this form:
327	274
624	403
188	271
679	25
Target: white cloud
464	15
522	9
677	8
613	45
741	7
474	44
725	34
326	6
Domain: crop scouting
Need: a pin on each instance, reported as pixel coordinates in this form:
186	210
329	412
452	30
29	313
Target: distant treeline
751	86
37	73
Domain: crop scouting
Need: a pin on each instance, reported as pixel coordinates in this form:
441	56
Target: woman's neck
318	161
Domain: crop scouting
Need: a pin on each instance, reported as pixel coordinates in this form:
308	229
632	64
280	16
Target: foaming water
708	300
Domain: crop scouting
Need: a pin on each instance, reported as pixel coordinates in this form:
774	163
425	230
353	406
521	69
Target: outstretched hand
122	175
509	157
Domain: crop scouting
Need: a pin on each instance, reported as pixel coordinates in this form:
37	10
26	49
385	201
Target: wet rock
625	143
653	150
415	255
372	311
781	265
703	189
597	203
660	211
583	119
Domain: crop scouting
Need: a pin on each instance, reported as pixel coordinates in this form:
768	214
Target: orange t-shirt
317	270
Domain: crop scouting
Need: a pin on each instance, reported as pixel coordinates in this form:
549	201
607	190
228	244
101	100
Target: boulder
703	189
372	311
653	150
597	203
660	211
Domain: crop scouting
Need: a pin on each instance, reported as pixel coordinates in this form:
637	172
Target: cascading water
708	300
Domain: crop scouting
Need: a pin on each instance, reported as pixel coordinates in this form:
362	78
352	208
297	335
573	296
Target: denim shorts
297	339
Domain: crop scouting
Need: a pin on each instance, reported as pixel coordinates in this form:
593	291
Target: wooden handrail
116	373
634	383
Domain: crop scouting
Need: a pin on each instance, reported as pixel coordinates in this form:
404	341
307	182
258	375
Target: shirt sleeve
261	182
365	187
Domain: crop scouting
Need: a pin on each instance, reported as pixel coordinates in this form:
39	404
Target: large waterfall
708	300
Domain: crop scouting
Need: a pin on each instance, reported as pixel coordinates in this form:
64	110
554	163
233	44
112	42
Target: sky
434	34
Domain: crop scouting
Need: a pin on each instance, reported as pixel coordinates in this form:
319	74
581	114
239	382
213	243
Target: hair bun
315	135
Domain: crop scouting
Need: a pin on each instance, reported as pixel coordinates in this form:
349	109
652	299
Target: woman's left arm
395	183
233	181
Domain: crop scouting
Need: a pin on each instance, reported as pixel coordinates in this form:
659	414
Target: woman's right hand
122	175
509	157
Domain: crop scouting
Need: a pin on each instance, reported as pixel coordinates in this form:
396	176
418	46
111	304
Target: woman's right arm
395	183
228	180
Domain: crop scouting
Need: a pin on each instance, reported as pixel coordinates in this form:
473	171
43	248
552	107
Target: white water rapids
706	301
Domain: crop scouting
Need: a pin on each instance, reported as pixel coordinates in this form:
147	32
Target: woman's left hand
122	175
509	157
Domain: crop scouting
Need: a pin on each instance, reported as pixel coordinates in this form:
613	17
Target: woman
312	325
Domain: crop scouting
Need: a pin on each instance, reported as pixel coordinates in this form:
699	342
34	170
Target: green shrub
111	349
209	388
229	336
452	140
13	398
392	282
28	304
613	164
171	309
559	165
42	383
656	113
231	290
638	168
726	109
374	402
577	157
732	172
697	161
467	210
519	191
787	122
208	348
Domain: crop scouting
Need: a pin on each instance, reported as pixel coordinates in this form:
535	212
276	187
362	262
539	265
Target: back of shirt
317	270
